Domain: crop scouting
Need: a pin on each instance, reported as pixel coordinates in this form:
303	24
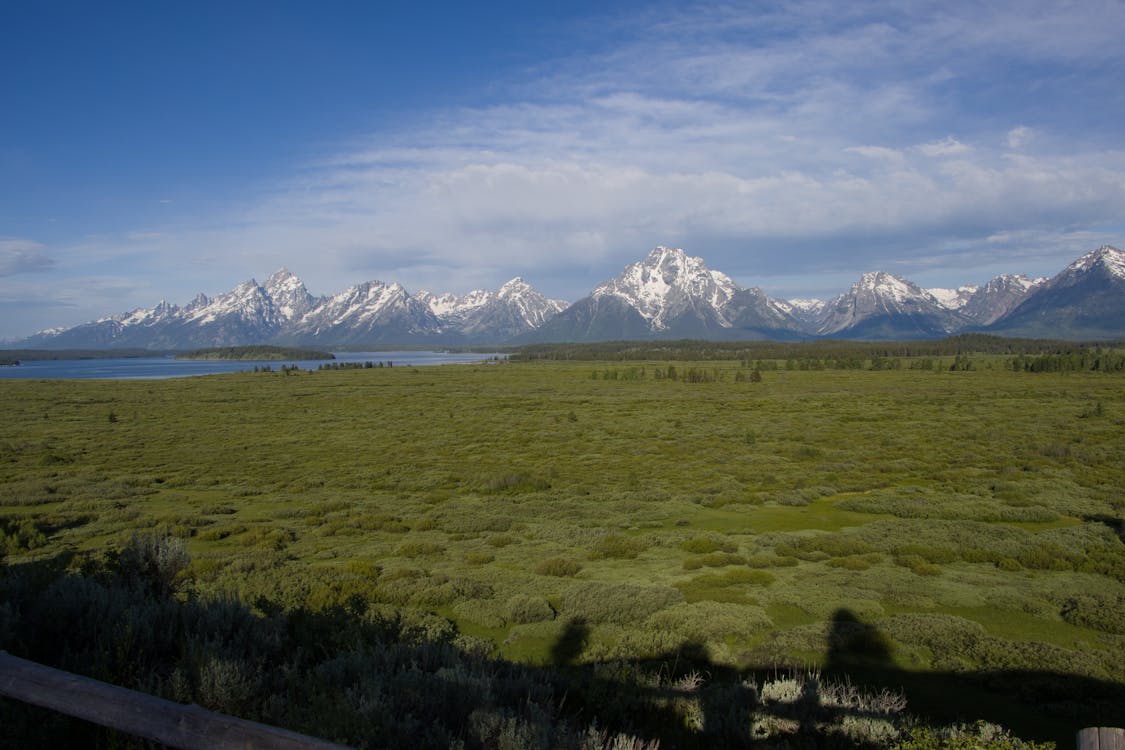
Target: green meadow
952	534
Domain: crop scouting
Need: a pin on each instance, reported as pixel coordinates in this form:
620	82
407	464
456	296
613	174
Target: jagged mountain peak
514	309
1086	299
883	305
1107	257
288	293
514	286
884	284
283	278
667	283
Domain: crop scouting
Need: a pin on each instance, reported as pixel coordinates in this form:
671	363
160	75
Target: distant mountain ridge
282	311
668	294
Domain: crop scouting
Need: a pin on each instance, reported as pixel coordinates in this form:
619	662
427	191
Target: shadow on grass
353	676
571	643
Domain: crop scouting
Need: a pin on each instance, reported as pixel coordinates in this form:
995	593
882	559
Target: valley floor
955	535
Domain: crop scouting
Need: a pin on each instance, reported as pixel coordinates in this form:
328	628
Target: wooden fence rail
193	728
169	723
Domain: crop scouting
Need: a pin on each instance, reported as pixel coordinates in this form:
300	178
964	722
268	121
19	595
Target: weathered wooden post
1101	738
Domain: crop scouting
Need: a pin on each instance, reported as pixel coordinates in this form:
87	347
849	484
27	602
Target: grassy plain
961	522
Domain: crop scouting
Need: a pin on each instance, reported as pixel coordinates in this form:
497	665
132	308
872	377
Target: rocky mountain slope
1085	300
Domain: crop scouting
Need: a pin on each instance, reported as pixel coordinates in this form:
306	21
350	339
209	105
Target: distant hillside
270	353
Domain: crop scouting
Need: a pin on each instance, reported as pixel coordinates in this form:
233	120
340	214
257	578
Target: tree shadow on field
358	677
1039	705
571	642
855	699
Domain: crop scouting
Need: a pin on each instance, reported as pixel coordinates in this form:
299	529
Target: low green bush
616	603
1105	612
618	547
918	565
525	608
419	549
713	560
701	545
561	567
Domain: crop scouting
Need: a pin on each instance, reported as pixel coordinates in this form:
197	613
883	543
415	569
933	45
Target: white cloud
1019	137
777	140
948	146
18	256
877	152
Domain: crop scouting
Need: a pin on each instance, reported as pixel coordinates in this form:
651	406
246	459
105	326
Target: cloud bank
793	145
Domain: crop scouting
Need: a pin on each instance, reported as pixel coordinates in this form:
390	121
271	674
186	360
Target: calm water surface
167	367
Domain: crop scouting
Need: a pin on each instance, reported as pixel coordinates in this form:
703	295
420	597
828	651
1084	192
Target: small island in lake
256	353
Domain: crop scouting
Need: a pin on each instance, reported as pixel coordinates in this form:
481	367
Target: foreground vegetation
594	552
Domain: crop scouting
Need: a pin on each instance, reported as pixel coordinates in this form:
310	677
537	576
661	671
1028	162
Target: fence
174	724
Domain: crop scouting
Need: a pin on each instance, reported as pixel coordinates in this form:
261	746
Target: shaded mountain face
1085	300
668	294
883	306
998	297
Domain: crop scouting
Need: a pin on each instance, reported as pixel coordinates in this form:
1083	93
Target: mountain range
668	294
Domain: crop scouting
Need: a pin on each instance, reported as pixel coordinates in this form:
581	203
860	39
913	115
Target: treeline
1079	360
256	353
750	371
367	365
685	374
833	350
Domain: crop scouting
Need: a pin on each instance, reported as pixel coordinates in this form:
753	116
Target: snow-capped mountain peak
667	283
288	293
884	302
1107	257
514	287
888	287
517	307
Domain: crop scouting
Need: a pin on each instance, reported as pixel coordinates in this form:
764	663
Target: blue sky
155	150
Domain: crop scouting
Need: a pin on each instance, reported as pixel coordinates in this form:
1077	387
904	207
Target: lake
132	368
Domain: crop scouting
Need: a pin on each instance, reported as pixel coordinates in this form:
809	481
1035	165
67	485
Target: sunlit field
947	533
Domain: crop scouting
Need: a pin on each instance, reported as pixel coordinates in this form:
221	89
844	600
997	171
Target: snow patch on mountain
954	299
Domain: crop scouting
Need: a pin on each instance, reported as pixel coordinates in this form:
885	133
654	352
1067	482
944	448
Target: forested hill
271	353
